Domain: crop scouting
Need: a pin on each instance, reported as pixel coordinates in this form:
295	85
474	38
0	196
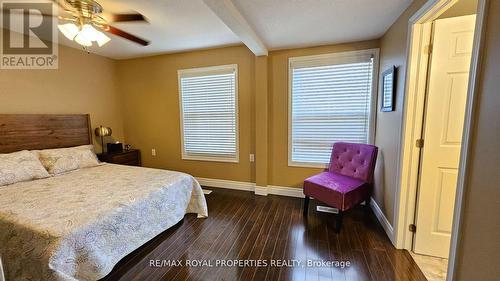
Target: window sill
211	159
307	165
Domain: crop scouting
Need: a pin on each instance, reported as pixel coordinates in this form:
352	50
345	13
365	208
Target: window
209	121
331	99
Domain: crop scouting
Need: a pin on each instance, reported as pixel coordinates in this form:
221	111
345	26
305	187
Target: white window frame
324	59
200	71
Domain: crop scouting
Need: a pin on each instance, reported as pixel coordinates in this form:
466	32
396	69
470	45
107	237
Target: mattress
77	226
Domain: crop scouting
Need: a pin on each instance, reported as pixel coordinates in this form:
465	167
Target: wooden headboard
43	131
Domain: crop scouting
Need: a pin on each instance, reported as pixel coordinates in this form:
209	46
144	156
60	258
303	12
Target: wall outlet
153	152
252	157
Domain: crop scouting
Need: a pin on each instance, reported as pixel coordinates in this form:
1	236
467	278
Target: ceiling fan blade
127	17
128	36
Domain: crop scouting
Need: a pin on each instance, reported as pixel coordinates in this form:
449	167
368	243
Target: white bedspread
77	226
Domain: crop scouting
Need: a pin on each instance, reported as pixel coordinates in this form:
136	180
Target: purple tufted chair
348	180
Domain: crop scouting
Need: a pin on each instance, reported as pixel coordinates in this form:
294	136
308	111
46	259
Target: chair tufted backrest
354	160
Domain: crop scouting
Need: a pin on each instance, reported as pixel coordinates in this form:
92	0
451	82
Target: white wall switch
252	157
153	152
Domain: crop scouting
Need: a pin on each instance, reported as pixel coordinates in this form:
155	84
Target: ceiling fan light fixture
82	40
89	32
87	23
69	30
83	35
102	39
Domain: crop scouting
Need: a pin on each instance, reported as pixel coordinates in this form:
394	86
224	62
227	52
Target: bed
78	225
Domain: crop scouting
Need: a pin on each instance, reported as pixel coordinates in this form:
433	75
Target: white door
444	119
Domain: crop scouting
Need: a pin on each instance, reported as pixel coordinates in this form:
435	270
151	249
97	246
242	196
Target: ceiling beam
235	21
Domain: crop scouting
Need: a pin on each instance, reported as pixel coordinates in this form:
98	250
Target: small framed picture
388	89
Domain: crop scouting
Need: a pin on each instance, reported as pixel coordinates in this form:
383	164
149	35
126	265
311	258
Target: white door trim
466	144
418	35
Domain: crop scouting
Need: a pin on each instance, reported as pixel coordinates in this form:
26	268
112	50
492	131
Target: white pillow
20	166
61	160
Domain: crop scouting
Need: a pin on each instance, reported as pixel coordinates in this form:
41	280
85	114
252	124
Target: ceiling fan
85	23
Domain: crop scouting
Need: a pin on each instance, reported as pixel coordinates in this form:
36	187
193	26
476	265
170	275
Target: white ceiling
183	25
296	23
173	26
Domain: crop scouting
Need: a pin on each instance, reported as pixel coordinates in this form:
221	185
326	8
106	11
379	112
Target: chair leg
306	205
338	223
367	208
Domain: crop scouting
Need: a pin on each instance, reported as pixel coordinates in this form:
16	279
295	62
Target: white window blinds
209	113
331	101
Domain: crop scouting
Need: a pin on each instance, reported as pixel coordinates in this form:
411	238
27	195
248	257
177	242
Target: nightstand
127	157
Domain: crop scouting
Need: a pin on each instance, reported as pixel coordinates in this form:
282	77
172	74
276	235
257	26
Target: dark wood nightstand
127	157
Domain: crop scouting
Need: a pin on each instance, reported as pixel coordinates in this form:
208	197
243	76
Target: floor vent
325	209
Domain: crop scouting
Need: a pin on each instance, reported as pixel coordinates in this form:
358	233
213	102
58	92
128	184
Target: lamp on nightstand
103	132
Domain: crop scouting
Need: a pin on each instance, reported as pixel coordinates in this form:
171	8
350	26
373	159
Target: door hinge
428	49
419	143
412	228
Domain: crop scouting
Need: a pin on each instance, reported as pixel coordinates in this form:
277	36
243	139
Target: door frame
419	36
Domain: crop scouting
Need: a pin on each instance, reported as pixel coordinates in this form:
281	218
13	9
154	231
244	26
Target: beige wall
388	133
139	99
84	83
150	92
479	249
149	88
279	172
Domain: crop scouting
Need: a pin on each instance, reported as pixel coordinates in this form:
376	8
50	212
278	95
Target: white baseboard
238	185
249	186
2	276
261	190
389	230
286	191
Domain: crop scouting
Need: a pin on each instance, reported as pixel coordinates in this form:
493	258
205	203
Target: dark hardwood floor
244	226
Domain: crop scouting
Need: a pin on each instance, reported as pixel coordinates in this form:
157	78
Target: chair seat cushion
336	190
